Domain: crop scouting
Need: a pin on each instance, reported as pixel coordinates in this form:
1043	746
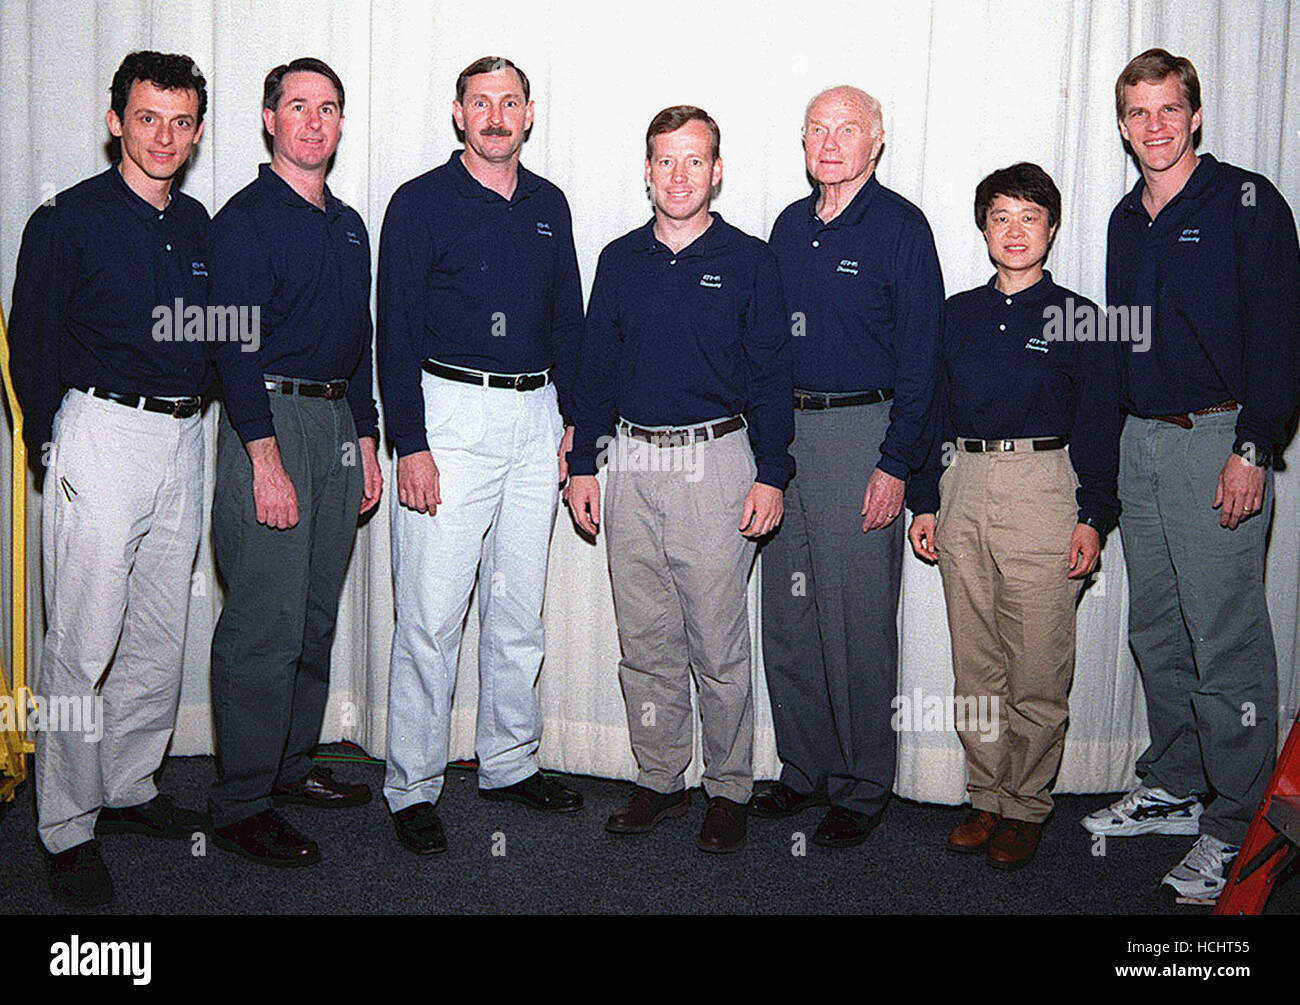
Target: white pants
119	531
496	455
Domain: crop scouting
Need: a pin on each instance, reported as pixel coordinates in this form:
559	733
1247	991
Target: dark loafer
842	828
538	792
645	809
320	788
159	818
724	826
779	800
1013	844
79	876
973	833
420	830
268	839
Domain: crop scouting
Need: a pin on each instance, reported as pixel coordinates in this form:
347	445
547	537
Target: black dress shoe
645	809
842	828
779	800
268	839
159	818
319	788
724	826
79	876
539	792
420	830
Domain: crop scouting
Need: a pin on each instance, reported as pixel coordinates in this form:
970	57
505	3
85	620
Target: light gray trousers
1198	621
119	532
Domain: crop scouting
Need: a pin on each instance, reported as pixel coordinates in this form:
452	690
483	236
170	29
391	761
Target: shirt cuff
893	466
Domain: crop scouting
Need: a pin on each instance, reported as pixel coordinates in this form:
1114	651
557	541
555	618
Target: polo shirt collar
468	185
714	238
1199	180
854	211
140	206
1030	296
283	191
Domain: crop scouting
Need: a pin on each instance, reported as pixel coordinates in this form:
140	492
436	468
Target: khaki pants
679	566
1003	533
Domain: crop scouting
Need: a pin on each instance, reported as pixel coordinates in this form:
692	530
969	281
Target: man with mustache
113	412
296	460
863	284
480	311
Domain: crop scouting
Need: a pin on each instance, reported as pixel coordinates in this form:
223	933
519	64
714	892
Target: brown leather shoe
724	826
780	800
1013	843
973	833
645	809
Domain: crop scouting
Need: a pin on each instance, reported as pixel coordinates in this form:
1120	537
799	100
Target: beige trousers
1003	533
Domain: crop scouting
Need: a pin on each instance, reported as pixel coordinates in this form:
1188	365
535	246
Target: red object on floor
1273	840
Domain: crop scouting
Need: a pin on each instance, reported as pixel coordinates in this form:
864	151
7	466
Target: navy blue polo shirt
866	297
677	338
472	279
308	271
1220	269
95	266
1009	368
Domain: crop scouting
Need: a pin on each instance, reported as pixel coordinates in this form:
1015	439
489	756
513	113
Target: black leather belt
508	381
331	390
182	409
681	437
1008	446
817	400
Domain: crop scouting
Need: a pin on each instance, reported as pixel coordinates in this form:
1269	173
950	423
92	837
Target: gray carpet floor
505	858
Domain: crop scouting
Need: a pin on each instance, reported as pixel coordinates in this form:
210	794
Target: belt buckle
182	409
519	381
335	389
803	399
1008	446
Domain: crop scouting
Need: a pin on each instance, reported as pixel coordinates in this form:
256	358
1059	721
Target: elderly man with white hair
863	286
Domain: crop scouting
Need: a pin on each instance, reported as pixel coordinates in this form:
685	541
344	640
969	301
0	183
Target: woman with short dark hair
1013	517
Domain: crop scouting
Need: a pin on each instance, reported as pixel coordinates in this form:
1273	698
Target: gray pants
830	605
1198	622
679	567
271	646
119	531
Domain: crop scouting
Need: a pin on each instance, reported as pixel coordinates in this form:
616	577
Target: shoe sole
225	844
320	804
1009	866
1177	828
673	811
499	797
713	849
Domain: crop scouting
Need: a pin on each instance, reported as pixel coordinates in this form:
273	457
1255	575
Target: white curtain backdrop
966	87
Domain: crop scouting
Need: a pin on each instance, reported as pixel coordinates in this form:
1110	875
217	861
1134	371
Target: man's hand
882	501
418	486
273	492
582	496
1240	493
921	534
1085	549
566	444
372	477
764	507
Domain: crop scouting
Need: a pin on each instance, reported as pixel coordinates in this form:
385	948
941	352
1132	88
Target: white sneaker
1203	871
1146	811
